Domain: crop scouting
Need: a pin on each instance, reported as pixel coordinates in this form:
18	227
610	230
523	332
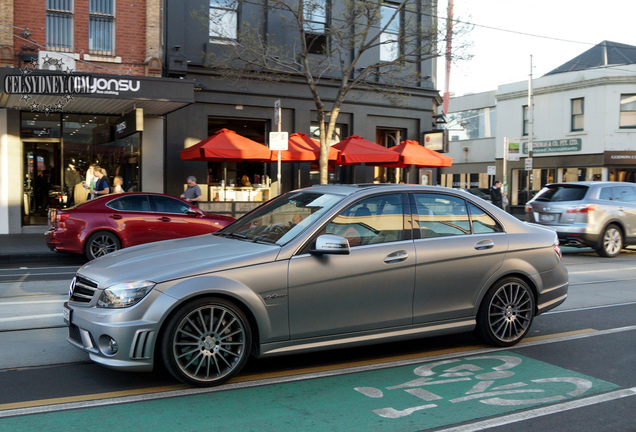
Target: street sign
528	164
278	140
492	170
277	113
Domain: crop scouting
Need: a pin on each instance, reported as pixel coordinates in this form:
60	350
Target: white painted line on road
31	302
611	270
589	308
544	411
30	317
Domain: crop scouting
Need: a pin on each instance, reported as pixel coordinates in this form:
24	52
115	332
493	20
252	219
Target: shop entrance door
41	181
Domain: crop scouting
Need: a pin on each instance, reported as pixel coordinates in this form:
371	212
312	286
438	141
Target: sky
502	43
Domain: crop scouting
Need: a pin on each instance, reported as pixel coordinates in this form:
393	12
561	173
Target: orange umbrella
355	150
226	146
302	148
412	153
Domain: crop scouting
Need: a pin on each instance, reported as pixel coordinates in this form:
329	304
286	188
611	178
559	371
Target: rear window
562	193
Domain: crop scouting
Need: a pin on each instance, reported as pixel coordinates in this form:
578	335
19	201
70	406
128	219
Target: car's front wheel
206	342
506	312
101	243
611	242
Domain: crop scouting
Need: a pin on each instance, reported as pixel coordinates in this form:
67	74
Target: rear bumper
574	235
60	241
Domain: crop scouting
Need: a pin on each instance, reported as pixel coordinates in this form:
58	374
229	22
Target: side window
606	194
379	219
441	215
625	194
482	222
170	205
131	203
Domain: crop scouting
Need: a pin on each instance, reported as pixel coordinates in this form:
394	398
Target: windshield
283	218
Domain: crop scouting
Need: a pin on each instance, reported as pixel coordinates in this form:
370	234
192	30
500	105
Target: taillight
528	208
61	217
583	208
557	250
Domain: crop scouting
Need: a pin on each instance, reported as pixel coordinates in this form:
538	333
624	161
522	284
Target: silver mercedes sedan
318	268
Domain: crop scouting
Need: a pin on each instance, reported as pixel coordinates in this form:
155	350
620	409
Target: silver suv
600	215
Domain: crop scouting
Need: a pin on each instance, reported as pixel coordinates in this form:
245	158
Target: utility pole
529	161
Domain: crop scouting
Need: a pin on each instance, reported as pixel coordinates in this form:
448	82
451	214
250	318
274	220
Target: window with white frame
59	25
315	25
525	120
390	23
223	20
628	111
578	111
101	27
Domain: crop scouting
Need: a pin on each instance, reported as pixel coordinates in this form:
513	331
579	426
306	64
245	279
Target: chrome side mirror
330	244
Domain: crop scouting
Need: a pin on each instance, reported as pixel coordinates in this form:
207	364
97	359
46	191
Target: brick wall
131	44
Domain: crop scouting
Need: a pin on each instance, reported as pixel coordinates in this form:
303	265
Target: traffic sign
278	140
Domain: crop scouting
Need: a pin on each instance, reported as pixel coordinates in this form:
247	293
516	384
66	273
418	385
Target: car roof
351	189
591	183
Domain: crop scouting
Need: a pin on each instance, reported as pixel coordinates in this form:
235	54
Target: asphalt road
574	372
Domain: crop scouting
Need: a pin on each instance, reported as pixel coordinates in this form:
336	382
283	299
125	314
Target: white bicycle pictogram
483	389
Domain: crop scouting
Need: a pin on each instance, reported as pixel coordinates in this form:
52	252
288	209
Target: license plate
66	314
545	217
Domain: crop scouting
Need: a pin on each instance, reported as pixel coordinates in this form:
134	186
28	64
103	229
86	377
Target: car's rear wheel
101	243
611	242
206	342
506	313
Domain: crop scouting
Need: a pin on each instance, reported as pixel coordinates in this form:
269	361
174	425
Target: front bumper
132	330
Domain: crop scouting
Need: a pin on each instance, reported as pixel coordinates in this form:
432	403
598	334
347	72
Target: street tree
334	47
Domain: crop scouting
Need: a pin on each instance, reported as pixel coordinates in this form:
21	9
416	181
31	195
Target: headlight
124	294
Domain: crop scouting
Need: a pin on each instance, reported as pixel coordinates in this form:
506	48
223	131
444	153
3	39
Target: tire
101	243
611	242
206	342
506	313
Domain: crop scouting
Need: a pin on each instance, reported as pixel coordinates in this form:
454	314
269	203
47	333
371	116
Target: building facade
583	121
80	83
198	31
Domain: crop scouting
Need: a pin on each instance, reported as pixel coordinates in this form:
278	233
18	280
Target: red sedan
112	222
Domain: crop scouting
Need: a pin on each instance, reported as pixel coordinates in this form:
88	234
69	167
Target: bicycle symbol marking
484	389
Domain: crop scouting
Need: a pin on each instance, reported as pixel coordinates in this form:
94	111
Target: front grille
82	290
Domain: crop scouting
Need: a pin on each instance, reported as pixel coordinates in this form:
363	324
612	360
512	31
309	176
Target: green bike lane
405	395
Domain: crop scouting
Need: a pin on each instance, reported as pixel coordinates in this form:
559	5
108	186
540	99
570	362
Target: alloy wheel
209	344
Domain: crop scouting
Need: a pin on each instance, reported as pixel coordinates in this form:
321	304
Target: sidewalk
16	248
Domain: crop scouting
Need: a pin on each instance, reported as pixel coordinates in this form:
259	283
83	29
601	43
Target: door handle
164	219
116	216
396	257
484	244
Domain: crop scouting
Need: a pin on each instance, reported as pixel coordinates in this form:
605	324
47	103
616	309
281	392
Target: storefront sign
619	158
129	123
436	140
554	146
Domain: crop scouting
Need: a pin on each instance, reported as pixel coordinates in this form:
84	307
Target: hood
174	259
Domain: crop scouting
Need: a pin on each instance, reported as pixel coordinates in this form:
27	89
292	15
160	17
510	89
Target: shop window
101	27
223	20
391	22
628	111
577	123
315	25
59	25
